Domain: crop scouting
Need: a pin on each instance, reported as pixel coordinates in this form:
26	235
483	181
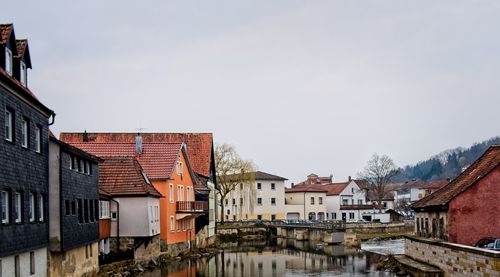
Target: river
285	258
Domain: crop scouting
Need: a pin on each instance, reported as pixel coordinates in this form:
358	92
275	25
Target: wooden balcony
191	207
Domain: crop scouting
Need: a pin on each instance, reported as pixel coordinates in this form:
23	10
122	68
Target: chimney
138	144
293	185
349	178
85	136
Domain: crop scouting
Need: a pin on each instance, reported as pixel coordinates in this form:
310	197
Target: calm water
280	258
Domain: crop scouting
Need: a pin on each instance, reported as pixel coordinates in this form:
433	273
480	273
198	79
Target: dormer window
23	74
8	61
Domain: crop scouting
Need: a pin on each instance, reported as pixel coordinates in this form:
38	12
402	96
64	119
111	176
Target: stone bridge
329	232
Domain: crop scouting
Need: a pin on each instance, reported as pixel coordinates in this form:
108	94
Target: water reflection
279	258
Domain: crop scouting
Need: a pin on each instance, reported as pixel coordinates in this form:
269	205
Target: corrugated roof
199	145
124	176
480	168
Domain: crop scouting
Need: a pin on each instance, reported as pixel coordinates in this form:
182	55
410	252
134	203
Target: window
91	211
273	217
178	226
38	139
171	193
104	205
352	201
80	211
180	193
8	61
17	207
228	211
32	207
114	216
227	201
259	186
351	215
24	133
5	206
312	200
273	186
241	201
360	201
32	262
259	217
73	207
259	201
86	210
273	201
96	209
179	168
172	226
352	190
334	216
234	201
9	121
23	74
345	202
320	200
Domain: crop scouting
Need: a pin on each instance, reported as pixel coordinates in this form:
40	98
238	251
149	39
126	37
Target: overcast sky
296	86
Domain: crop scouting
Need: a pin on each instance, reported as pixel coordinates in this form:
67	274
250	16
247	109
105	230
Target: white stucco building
305	202
262	199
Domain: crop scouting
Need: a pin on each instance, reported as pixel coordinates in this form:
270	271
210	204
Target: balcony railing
358	207
191	206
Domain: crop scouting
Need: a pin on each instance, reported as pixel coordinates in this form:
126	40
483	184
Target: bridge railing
324	224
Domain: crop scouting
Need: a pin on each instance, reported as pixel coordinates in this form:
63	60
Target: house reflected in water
281	258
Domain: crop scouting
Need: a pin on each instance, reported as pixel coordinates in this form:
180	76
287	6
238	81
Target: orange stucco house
168	168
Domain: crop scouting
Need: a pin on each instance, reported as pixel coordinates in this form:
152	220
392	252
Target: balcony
191	207
358	207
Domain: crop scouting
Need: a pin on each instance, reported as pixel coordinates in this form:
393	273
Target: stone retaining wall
376	227
453	259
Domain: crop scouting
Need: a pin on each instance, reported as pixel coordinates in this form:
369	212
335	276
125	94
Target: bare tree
379	171
232	172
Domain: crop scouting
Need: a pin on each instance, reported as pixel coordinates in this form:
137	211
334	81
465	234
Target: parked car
488	243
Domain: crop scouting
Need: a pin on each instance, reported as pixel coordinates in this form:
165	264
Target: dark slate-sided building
74	206
24	224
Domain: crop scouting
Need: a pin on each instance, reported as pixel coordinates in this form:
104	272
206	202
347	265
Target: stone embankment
131	268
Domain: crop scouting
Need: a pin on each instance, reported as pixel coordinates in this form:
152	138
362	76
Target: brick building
464	210
24	228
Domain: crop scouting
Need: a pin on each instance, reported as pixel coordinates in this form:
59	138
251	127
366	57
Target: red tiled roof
5	30
124	176
435	184
335	188
307	188
362	183
199	145
480	168
157	159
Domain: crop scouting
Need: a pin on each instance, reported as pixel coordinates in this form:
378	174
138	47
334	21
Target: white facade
305	205
139	216
351	195
263	199
24	265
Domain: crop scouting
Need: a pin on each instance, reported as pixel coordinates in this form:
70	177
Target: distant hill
447	164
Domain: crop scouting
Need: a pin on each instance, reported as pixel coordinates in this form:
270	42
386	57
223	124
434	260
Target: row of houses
317	198
70	203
